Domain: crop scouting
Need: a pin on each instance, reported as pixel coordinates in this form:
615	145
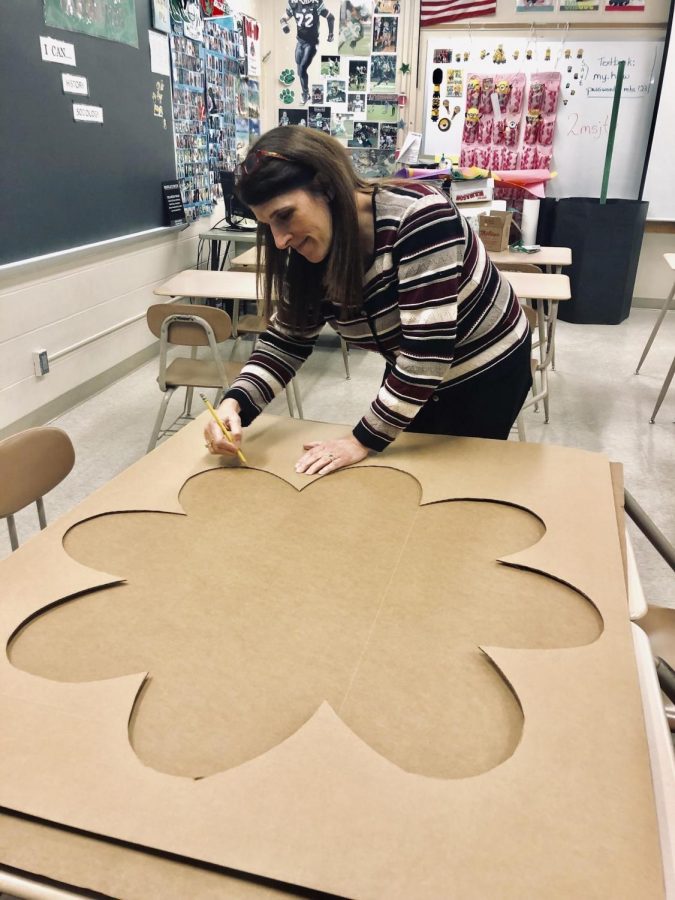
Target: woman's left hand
328	456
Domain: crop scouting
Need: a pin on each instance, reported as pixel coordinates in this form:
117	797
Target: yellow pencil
227	434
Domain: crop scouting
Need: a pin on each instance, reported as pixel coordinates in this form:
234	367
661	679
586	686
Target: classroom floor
597	403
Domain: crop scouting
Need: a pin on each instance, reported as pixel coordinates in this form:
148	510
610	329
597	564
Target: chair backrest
184	327
519	267
531	316
32	462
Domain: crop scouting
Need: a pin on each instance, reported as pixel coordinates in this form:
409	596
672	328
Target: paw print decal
287	96
287	76
246	629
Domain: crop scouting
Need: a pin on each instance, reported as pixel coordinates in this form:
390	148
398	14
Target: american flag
438	12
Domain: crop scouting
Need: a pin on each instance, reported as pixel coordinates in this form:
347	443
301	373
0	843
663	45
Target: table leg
657	325
664	390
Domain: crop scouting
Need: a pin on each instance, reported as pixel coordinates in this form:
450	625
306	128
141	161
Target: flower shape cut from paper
287	76
262	602
287	96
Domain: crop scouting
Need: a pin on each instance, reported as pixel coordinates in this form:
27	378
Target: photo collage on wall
347	86
216	103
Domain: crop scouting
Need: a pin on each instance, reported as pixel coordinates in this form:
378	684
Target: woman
392	267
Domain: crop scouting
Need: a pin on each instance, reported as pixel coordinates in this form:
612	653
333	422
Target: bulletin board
68	183
588	75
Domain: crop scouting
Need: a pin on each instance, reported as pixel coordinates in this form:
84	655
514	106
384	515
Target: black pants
304	54
484	406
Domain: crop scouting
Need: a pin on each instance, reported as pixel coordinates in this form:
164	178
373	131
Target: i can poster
112	20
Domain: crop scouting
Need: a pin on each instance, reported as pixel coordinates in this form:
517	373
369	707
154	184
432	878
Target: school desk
346	625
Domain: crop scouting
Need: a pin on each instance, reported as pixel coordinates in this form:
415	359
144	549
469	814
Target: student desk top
549	257
205	283
323	807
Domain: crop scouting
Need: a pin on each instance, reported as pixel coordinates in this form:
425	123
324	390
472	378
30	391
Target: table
548	257
575	850
670	259
246	260
215	236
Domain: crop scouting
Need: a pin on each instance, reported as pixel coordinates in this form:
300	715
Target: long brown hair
285	159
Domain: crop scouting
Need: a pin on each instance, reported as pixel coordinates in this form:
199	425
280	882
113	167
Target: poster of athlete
307	15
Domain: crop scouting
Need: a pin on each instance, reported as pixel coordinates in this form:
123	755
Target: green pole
612	130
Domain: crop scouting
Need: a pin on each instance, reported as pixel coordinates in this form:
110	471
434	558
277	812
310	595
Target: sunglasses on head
256	158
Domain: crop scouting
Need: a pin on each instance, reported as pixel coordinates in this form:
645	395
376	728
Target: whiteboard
659	186
588	70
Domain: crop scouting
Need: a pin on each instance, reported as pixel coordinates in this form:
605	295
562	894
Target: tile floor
597	403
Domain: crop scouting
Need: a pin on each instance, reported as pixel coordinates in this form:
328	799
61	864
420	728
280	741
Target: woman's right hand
216	441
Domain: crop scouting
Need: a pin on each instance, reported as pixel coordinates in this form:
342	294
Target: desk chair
545	324
32	462
193	326
670	259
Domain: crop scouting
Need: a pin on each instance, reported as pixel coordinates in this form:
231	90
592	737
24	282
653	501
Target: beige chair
32	462
546	329
193	326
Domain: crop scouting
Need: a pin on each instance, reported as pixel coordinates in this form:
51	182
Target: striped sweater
434	307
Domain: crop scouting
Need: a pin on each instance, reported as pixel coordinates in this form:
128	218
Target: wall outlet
40	362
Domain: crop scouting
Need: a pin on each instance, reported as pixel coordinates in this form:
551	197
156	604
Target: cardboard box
476	190
368	705
493	230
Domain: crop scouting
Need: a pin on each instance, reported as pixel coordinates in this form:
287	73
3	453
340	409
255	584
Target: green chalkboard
66	183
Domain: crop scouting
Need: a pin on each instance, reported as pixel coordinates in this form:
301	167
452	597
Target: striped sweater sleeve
277	356
428	252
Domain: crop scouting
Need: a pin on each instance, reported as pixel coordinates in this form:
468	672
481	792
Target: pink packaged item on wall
540	117
491	131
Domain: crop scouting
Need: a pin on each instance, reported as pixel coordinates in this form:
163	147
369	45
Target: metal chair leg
13	537
289	401
160	418
520	423
298	401
41	513
345	358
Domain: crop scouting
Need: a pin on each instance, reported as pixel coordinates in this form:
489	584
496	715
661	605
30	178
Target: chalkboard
66	183
588	75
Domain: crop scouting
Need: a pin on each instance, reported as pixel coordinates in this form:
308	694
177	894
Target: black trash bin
605	240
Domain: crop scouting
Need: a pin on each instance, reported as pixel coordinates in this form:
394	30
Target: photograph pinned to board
193	24
296	116
356	103
317	93
358	74
112	21
579	5
319	118
388	135
624	6
382	107
392	7
374	163
382	74
336	91
356	25
538	6
251	30
330	66
342	126
385	34
366	134
161	15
